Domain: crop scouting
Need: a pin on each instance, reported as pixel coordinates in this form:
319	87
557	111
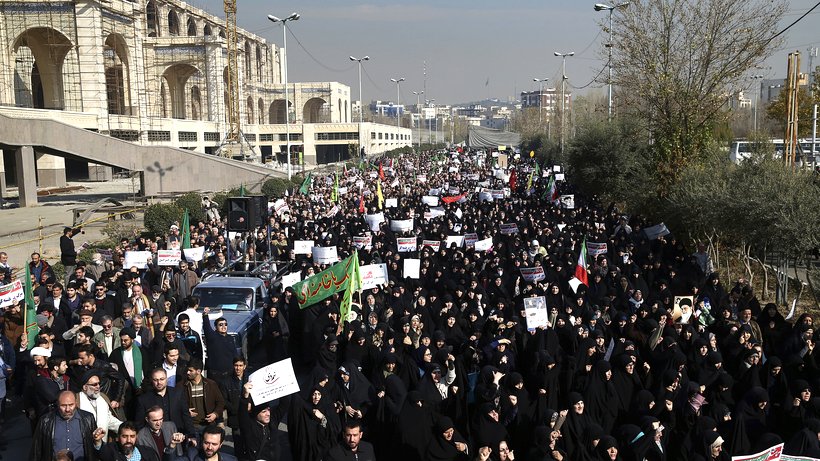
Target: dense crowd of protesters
439	367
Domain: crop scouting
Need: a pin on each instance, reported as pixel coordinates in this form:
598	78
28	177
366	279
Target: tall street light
541	82
563	57
418	99
610	8
292	17
361	99
398	81
429	102
754	78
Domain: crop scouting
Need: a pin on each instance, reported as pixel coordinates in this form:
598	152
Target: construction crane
234	144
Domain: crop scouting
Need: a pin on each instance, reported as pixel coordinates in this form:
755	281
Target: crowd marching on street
504	315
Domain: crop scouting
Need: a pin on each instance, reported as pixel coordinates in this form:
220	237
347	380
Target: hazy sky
466	43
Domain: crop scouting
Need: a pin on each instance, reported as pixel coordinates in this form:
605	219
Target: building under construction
155	73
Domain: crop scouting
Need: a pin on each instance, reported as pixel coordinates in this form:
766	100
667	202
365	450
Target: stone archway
313	110
176	77
40	55
276	111
117	83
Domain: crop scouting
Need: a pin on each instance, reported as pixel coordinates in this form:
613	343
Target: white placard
303	247
434	192
433	213
138	259
11	294
509	228
406	244
325	255
363	242
373	275
537	313
273	381
433	244
290	279
168	257
401	225
574	283
457	239
595	248
421	178
280	206
373	221
391	203
470	239
533	274
458	213
485	196
373	175
484	245
194	254
342	191
412	268
556	168
567	201
430	200
559	176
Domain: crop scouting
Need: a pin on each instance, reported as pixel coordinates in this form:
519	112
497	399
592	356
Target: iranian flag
581	267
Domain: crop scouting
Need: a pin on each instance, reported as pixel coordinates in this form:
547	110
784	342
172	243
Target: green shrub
276	187
191	201
160	216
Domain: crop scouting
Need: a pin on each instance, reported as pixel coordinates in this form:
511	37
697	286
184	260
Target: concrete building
154	73
550	100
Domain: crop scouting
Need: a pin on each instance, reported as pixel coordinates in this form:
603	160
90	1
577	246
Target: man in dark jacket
51	433
171	400
212	440
204	398
125	446
258	427
352	446
68	255
221	348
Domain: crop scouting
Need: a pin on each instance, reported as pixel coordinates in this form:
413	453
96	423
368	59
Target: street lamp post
430	125
361	99
755	102
292	17
563	57
418	99
610	8
398	81
541	82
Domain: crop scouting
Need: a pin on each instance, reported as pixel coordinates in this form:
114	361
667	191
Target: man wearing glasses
221	348
109	338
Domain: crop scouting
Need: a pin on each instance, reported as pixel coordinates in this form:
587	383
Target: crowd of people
653	358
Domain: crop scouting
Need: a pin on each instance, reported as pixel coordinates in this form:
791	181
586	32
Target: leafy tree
777	109
192	201
676	62
159	217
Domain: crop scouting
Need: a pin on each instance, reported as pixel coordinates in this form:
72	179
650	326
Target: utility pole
812	55
563	57
792	77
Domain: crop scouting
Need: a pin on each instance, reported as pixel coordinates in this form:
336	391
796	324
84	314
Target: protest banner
433	244
567	201
325	255
770	454
537	313
194	254
430	200
434	213
374	220
290	279
274	381
411	269
595	249
391	203
484	245
510	228
470	239
401	225
168	257
485	196
421	178
138	259
106	253
365	242
433	191
303	247
497	194
11	294
457	239
280	207
406	244
533	274
656	231
373	275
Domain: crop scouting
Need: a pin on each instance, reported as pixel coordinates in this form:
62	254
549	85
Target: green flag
334	196
186	230
30	314
334	279
305	187
355	284
242	190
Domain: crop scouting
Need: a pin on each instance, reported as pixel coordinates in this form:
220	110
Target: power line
792	24
594	79
314	58
370	79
